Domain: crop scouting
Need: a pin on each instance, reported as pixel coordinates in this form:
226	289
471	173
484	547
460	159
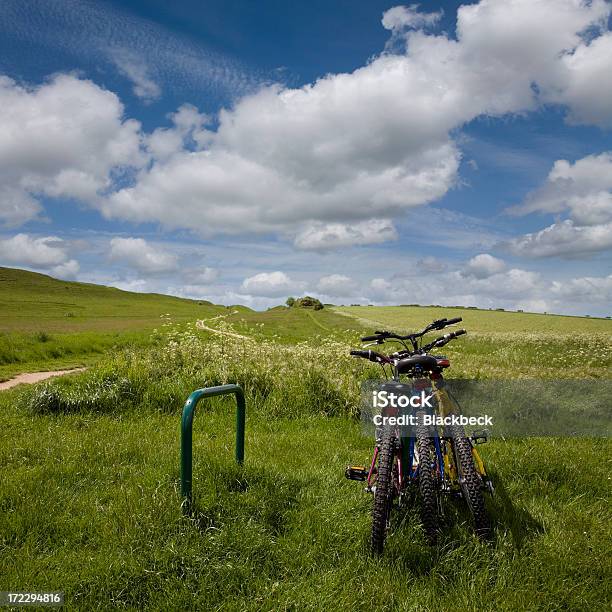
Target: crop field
89	473
479	321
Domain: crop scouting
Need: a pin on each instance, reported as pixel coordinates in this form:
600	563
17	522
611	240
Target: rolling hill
36	302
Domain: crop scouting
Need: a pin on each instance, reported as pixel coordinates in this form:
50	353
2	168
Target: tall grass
288	380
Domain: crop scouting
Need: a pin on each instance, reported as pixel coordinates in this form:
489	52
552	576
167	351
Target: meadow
89	476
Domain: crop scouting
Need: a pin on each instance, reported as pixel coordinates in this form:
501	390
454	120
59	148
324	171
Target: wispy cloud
95	31
135	69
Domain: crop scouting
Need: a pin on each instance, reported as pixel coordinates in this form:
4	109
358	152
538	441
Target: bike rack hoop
187	431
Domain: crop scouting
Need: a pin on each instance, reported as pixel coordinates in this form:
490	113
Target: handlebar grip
369	339
446	338
371	356
453	321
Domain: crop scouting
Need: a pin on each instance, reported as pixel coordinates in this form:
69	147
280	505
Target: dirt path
202	325
318	323
34	377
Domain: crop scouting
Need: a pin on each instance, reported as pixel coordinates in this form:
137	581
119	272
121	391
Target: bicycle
427	460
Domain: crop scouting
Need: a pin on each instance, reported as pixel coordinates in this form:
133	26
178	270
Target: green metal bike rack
187	432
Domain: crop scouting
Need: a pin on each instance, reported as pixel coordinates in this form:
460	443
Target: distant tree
290	301
308	302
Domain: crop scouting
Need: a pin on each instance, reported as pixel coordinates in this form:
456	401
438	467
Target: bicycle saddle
426	362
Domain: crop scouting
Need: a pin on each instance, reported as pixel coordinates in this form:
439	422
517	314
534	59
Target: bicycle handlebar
380	336
453	321
384	359
445	339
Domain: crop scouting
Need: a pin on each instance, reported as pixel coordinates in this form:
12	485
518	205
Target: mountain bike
430	459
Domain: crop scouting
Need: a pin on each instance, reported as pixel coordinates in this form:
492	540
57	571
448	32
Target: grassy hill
47	323
89	485
36	302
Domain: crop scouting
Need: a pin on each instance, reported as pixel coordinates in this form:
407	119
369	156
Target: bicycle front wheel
428	487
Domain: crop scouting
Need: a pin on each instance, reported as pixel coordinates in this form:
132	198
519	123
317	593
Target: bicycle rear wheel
472	486
385	488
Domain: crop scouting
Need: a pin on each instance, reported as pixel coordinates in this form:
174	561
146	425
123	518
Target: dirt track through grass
30	378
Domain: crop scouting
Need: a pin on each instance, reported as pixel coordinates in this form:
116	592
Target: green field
89	472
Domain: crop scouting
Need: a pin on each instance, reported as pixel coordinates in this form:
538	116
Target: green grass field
408	318
89	475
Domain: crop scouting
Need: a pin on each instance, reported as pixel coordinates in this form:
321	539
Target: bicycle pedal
356	472
480	437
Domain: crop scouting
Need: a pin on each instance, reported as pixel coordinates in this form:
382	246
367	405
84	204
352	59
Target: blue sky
364	152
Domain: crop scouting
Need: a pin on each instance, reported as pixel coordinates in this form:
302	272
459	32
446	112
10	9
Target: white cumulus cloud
587	289
336	285
367	144
483	266
48	253
563	239
43	252
323	236
270	284
60	139
401	17
68	270
583	191
326	165
142	256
